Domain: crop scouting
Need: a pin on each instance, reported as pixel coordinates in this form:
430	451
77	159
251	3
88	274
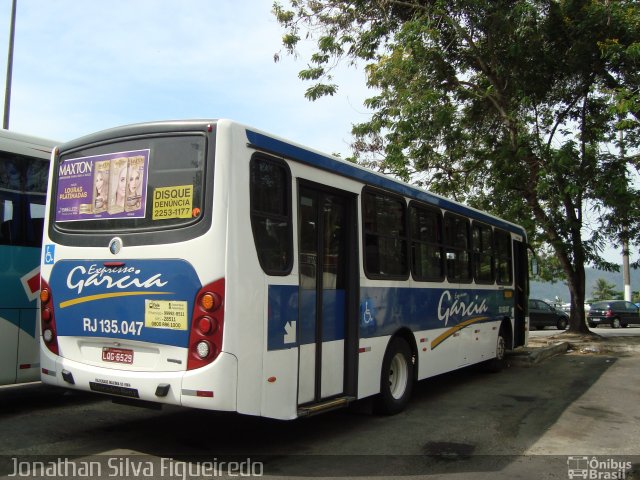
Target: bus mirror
534	267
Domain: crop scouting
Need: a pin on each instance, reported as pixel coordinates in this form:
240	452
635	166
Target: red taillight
47	318
207	325
608	313
207	320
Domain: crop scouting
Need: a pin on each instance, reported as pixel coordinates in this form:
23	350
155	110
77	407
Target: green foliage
604	291
549	266
526	108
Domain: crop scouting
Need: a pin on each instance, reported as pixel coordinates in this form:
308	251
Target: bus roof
23	144
294	151
333	164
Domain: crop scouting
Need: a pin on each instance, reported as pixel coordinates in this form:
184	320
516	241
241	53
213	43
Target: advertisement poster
105	186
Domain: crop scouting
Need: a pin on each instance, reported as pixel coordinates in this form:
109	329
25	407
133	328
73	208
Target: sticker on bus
172	202
49	254
103	186
165	314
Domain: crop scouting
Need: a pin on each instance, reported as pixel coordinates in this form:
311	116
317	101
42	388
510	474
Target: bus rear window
148	183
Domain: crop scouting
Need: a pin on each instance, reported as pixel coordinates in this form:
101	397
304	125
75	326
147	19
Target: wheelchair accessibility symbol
367	313
49	254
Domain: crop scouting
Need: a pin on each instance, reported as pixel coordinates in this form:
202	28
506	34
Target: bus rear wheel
499	362
396	379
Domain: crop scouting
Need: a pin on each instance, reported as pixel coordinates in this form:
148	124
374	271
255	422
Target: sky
83	66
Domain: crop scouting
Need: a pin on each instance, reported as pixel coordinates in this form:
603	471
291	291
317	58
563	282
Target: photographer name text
134	468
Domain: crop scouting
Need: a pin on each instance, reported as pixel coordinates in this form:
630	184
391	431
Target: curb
604	348
533	355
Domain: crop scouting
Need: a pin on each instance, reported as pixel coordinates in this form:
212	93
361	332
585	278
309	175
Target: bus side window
425	227
36	221
457	248
270	196
35	233
483	260
504	265
23	184
5	233
7	224
385	235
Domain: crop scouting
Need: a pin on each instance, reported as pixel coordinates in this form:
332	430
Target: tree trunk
577	318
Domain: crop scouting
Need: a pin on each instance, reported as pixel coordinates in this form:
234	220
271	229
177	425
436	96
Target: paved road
523	422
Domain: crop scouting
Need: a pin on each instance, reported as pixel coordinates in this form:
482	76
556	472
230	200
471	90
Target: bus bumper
212	387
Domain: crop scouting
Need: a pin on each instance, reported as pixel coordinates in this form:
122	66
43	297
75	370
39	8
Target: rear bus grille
114	390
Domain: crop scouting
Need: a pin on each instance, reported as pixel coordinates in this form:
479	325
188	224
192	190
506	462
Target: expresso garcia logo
457	306
122	278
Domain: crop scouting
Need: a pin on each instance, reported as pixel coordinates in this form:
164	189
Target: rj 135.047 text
95	325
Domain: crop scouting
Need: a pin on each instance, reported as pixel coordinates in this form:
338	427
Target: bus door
521	293
327	326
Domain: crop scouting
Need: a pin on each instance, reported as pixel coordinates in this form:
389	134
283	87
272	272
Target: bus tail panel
130	315
134	329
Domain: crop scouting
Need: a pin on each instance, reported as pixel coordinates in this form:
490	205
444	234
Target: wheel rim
398	376
500	348
615	323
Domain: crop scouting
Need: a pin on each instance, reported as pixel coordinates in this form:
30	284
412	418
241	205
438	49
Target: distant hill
549	291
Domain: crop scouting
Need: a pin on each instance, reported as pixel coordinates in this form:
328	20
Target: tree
603	290
509	105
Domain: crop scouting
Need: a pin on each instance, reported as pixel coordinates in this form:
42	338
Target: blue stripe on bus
383	310
292	316
348	170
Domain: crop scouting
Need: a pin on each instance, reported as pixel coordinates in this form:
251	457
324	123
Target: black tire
539	327
500	361
615	323
624	325
396	378
592	325
562	323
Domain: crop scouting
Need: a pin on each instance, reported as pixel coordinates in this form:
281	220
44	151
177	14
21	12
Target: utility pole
626	272
7	93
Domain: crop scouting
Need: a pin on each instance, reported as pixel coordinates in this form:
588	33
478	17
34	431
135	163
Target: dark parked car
616	313
541	315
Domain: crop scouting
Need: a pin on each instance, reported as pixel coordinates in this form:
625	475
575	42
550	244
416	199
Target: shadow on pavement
465	421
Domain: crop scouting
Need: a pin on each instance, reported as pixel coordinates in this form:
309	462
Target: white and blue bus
211	265
24	166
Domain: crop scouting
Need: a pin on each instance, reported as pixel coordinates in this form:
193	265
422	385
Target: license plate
117	355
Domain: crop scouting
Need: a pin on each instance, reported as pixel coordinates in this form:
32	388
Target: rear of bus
132	298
